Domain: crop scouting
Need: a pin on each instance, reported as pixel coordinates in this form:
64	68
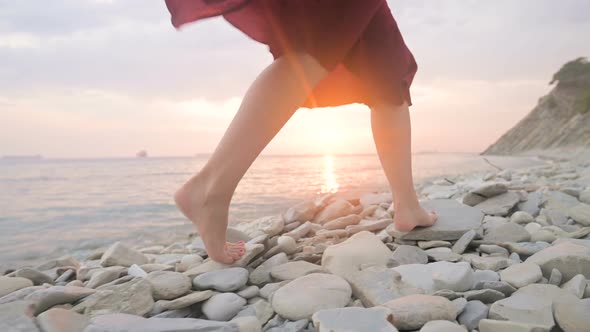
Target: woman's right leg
269	103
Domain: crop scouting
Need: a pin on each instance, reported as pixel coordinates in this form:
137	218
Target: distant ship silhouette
142	154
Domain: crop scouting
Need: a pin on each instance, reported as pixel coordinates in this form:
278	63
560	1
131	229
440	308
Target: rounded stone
573	316
12	284
249	292
520	275
121	255
405	254
304	296
37	277
345	258
532	227
454	276
521	217
294	270
223	307
442	326
227	280
287	244
411	312
167	285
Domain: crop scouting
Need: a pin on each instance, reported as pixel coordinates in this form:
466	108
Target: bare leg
392	135
269	103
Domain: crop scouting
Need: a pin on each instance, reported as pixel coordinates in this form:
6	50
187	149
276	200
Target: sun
329	140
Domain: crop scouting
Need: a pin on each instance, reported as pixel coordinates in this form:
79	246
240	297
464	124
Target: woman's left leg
269	103
392	135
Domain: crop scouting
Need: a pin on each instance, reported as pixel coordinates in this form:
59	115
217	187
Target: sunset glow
174	94
330	184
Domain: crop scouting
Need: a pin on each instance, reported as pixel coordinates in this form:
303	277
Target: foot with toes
209	213
406	219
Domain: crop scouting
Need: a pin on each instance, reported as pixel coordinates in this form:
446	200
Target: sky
107	78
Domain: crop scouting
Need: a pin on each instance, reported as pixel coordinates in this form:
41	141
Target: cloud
19	40
116	76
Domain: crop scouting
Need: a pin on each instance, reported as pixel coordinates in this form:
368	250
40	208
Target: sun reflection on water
330	184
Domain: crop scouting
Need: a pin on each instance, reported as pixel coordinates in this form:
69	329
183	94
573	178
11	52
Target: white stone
12	284
581	214
509	232
301	212
492	325
247	324
136	271
576	285
304	296
376	285
45	298
353	319
168	285
338	208
185	301
271	225
442	326
226	280
370	199
532	227
102	277
417	275
499	205
345	258
37	277
524	308
521	217
249	292
287	244
121	255
413	311
133	297
573	316
132	323
490	189
261	274
294	270
223	307
520	275
62	320
405	254
13	317
454	219
454	276
569	258
474	312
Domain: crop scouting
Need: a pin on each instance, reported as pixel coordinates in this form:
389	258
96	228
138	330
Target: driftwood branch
494	166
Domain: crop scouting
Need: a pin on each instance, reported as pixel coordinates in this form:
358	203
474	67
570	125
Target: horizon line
204	154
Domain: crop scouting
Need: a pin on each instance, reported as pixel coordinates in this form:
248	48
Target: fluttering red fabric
357	41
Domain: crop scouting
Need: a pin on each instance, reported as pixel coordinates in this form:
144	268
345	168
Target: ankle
213	188
411	203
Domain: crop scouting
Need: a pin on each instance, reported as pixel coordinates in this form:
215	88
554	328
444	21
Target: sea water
52	207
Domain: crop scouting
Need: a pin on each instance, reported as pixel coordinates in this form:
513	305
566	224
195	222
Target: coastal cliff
561	119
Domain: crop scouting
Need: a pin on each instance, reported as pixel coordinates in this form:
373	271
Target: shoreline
178	232
504	242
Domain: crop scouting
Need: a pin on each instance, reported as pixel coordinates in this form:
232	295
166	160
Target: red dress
357	41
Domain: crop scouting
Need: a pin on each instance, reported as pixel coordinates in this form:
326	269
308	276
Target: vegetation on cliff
576	73
561	119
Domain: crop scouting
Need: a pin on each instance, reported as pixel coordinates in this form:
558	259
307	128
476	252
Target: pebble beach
510	252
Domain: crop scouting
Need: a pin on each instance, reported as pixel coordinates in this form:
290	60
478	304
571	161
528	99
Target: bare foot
209	215
407	219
